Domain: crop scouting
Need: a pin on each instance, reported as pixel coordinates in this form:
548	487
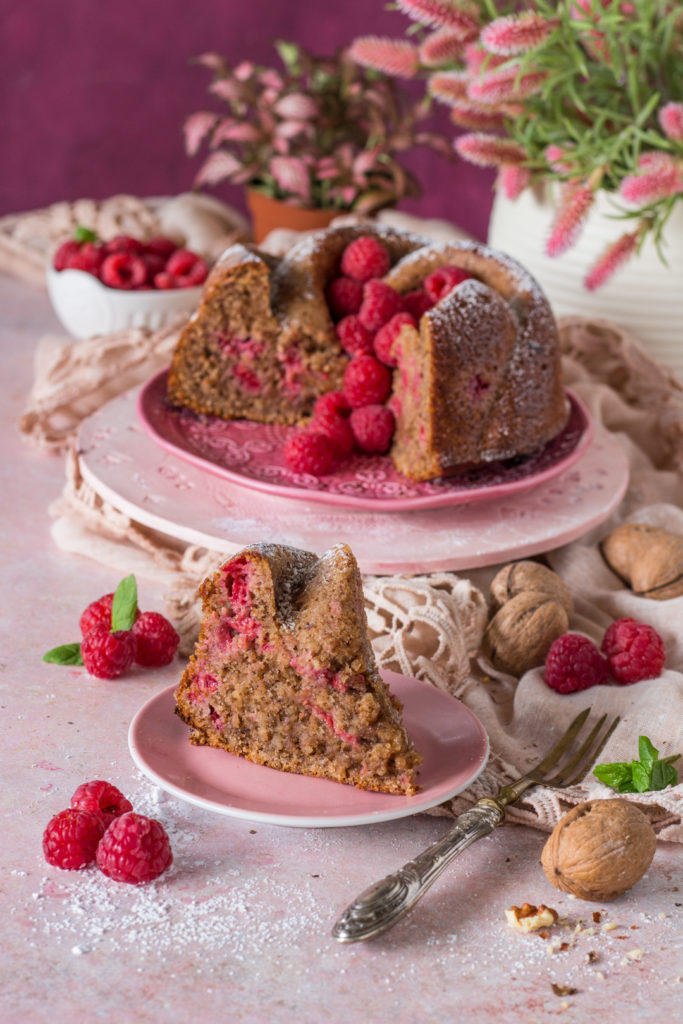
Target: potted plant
311	140
579	105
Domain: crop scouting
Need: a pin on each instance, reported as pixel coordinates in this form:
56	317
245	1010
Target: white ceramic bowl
86	307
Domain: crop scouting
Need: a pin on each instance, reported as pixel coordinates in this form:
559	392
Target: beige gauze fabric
431	626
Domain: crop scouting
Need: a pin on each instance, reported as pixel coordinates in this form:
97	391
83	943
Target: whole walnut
534	606
527	576
519	635
648	558
599	850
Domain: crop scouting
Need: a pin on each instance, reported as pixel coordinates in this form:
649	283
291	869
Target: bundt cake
284	675
467	333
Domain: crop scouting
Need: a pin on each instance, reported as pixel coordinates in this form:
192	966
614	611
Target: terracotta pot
645	296
268	214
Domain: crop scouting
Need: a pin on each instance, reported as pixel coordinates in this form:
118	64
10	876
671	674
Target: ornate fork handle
382	904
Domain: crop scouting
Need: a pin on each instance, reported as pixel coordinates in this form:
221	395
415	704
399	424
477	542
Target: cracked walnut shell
529	577
599	850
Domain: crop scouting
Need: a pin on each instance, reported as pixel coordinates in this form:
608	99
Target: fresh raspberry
164	281
332	403
337	429
380	303
108	655
354	338
134	849
123	243
88	258
443	280
366	382
310	452
187	268
373	428
99	614
102	799
60	260
416	303
123	270
160	246
157	640
155	264
71	837
387	335
364	259
634	651
344	296
574	663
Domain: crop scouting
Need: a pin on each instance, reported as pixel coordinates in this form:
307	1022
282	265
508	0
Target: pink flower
660	177
479	119
440	14
505	85
216	167
477	59
393	57
441	47
513	179
489	150
575	203
557	159
613	257
196	128
517	33
291	176
671	120
448	86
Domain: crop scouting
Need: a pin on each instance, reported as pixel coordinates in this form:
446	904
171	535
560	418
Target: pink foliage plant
581	95
319	133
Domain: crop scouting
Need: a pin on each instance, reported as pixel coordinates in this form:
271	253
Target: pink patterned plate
251	454
452	741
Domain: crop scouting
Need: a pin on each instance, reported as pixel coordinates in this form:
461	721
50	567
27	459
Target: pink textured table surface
238	929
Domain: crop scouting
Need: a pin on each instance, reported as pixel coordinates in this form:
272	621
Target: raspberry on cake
476	375
284	675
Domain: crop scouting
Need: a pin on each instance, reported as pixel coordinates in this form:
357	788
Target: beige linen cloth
431	626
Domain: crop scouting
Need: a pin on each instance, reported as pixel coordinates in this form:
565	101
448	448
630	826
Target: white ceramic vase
645	296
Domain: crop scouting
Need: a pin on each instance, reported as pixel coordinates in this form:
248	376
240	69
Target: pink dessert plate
252	454
450	738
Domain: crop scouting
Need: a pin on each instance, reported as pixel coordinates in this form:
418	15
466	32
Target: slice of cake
283	672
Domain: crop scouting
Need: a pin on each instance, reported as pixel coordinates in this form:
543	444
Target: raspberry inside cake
284	675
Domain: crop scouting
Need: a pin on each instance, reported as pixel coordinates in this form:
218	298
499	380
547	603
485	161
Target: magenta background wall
94	94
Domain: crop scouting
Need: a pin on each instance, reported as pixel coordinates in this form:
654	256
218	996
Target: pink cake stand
186	502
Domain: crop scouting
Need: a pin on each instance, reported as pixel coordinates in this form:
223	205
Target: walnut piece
529	918
599	849
647	558
519	635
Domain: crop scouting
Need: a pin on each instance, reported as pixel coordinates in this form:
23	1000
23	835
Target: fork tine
563	744
581	770
558	780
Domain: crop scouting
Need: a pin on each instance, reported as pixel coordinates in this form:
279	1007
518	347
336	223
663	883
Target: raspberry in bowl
98	287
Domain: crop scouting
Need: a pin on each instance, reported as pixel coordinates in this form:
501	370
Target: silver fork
384	903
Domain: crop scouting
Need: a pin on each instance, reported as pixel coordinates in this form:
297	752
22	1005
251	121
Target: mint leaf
642	776
617	775
646	752
125	604
83	234
67	654
663	775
